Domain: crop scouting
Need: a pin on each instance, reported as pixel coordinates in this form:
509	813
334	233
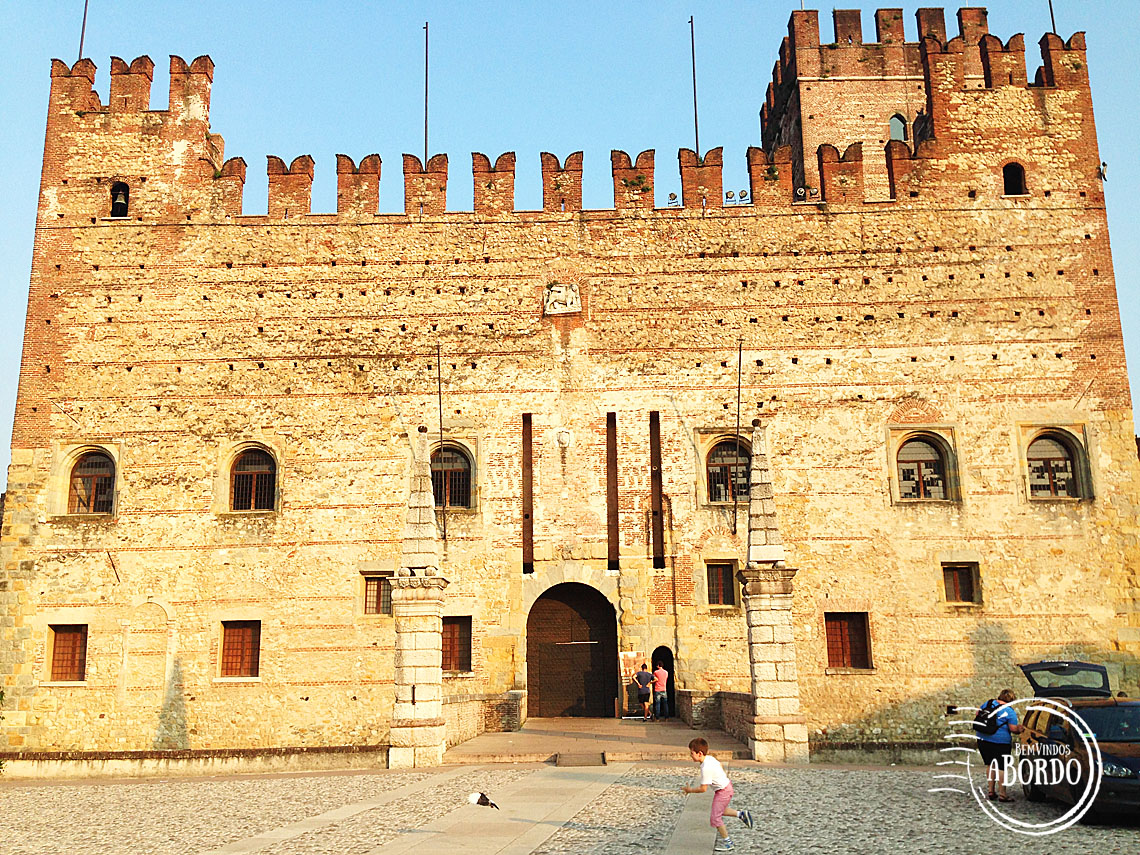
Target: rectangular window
657	519
848	642
457	643
613	531
961	582
241	648
378	594
527	496
69	653
722	583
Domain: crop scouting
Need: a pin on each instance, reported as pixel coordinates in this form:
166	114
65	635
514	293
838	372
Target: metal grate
69	653
378	595
728	471
254	481
241	648
92	485
457	644
848	645
451	478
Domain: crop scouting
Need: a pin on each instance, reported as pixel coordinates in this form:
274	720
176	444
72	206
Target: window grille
922	471
848	644
241	648
451	478
253	482
961	583
457	644
1050	469
378	595
729	464
722	584
92	485
69	653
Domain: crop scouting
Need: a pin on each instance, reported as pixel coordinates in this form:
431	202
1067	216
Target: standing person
997	746
644	680
713	775
660	695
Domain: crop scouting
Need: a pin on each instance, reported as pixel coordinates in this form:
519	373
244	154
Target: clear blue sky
325	77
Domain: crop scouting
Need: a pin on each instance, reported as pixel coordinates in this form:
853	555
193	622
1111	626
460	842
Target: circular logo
1074	762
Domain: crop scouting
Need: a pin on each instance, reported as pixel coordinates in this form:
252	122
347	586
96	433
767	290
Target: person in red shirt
660	698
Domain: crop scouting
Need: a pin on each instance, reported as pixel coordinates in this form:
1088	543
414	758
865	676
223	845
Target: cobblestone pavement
798	810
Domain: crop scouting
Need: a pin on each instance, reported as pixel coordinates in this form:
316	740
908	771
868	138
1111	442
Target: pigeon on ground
481	799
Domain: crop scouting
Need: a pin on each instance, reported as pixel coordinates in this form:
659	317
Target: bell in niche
119	201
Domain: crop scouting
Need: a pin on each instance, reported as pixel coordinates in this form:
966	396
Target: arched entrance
571	653
665	656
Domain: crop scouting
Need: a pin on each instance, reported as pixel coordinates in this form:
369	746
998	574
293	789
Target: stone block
789	705
796	733
401	758
765	706
764	671
765	751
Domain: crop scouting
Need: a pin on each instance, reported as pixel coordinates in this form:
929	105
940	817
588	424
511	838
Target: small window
961	581
457	643
120	199
722	584
92	484
378	594
69	653
1051	469
922	470
898	127
241	648
1013	176
729	465
254	481
451	477
848	644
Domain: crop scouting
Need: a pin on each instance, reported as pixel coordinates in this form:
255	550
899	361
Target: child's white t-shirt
712	773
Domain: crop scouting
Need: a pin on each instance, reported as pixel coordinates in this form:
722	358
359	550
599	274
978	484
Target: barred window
241	648
92	484
69	653
253	482
451	477
722	584
922	471
728	466
1051	469
378	594
848	643
961	581
457	643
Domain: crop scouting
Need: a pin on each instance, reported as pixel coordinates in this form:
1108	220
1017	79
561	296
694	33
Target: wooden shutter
457	644
848	645
241	648
69	653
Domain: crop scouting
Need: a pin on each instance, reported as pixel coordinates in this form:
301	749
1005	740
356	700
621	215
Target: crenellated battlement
829	116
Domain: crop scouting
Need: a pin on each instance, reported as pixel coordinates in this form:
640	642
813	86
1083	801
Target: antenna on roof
83	29
1052	19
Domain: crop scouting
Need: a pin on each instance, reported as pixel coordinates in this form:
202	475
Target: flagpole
696	125
83	29
425	95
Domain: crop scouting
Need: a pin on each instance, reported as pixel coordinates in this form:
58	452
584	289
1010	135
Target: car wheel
1033	793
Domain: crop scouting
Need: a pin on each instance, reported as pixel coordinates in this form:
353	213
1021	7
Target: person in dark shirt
644	681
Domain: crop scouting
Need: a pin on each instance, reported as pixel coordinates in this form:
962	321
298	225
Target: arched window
729	465
898	127
922	470
253	481
451	477
92	484
120	199
1013	176
1052	468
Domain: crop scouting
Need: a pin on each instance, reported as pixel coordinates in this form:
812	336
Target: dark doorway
571	653
665	656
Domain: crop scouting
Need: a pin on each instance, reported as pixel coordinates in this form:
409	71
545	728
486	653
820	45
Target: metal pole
83	29
696	125
736	465
1052	19
425	95
439	397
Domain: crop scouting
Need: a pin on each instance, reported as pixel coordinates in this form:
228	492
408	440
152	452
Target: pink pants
721	799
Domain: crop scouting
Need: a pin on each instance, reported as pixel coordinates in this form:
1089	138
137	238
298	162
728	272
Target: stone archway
572	655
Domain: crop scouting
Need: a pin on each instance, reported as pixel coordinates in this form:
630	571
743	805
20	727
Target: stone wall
736	715
469	715
179	336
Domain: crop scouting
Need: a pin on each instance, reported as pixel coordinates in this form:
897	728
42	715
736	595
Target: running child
713	775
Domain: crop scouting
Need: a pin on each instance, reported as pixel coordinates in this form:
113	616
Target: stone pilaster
418	733
779	730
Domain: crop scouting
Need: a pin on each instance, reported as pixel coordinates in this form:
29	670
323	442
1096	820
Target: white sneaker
723	844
